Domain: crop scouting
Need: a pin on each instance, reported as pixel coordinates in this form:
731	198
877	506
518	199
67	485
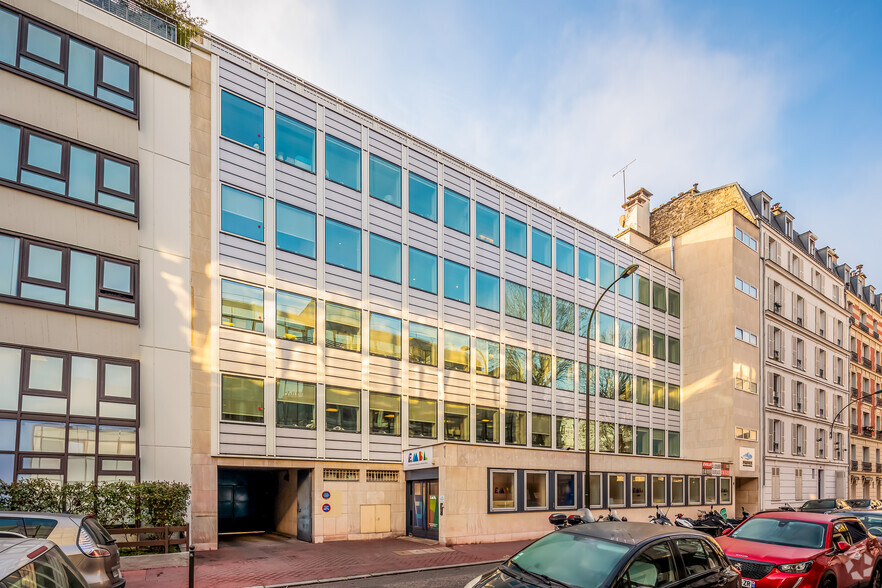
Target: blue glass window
385	181
241	213
10	138
456	211
565	257
626	285
487	224
82	179
422	197
584	317
606	273
515	300
81	67
456	281
8	37
515	236
606	327
587	266
342	163
565	316
241	120
541	247
43	164
295	142
487	291
385	258
423	270
626	335
115	73
44	45
295	230
342	245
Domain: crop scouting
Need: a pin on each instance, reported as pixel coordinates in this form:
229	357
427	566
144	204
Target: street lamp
625	273
877	393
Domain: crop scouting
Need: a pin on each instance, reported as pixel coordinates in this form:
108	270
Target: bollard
192	565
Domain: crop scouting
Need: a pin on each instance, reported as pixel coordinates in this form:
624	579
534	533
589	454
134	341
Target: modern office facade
94	247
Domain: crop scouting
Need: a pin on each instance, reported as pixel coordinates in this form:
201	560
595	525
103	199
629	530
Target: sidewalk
269	560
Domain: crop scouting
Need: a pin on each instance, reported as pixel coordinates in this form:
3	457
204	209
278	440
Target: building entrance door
423	513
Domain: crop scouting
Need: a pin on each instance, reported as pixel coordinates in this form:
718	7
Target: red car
790	549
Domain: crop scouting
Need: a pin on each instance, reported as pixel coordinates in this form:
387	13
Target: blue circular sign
326	494
326	507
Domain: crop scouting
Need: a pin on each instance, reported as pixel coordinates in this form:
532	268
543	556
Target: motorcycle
560	521
660	518
681	521
613	516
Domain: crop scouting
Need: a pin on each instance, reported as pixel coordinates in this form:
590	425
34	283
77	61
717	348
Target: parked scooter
560	520
744	516
681	521
613	516
660	518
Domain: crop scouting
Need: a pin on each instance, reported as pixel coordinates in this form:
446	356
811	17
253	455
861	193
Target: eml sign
418	459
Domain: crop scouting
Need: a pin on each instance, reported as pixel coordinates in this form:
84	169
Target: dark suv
823	505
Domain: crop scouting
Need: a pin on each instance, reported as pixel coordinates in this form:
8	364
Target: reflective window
423	344
503	483
295	404
116	440
342	163
515	427
626	335
606	273
541	436
658	394
587	377
541	369
241	120
457	211
8	38
674	350
422	418
10	138
486	425
641	390
295	230
385	336
241	399
385	258
564	376
456	421
515	236
515	364
606	328
643	340
642	290
295	142
487	224
541	308
584	319
342	245
423	269
422	197
659	297
626	440
653	567
606	437
673	444
606	381
536	490
456	351
541	247
658	345
45	373
241	213
565	257
626	285
658	443
486	358
385	178
385	414
515	300
241	306
565	315
342	327
486	291
342	409
626	387
678	495
456	281
642	441
673	303
587	266
710	490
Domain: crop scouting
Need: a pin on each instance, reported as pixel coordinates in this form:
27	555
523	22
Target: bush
115	504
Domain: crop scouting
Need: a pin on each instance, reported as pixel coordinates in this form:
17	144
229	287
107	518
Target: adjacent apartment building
764	349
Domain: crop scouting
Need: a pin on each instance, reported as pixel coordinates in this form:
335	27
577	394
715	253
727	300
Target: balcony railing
854	429
878	468
868	363
140	16
854	392
864	327
879	369
867	432
866	466
854	465
854	356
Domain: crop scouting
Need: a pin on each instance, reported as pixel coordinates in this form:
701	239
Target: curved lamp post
625	273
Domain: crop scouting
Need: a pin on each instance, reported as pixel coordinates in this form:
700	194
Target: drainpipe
672	255
761	464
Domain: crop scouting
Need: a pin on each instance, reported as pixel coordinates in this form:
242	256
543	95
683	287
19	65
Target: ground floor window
710	490
678	496
638	490
616	489
595	497
536	490
694	490
502	483
659	490
725	490
565	485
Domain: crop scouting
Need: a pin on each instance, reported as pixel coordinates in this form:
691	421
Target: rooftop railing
140	16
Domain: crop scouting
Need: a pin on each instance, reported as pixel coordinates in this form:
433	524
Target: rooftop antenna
622	171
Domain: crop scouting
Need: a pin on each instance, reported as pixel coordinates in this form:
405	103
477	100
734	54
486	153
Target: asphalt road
444	578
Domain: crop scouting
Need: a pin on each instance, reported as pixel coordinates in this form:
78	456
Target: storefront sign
706	465
725	472
418	459
748	460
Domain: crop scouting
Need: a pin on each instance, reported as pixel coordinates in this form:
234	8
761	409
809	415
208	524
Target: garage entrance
262	500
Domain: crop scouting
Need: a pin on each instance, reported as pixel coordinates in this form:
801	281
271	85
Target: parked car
864	503
786	549
36	563
871	519
82	539
619	554
823	505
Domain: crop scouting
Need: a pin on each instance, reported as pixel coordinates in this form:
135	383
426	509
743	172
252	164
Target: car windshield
572	558
858	502
820	504
782	532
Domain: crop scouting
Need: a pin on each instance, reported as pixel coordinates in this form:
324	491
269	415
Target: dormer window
766	209
788	227
811	246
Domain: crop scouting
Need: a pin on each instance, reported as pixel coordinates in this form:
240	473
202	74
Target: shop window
515	427
487	358
295	404
342	163
422	418
502	485
295	317
487	224
659	490
638	490
385	336
694	490
678	490
342	409
616	490
342	327
422	197
536	491
457	212
565	490
541	436
725	490
515	364
456	421
423	344
295	143
241	399
486	425
710	490
456	351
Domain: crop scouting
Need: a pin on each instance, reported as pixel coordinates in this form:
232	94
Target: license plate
747	583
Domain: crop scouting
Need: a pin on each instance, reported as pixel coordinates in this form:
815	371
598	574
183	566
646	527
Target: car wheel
828	582
876	579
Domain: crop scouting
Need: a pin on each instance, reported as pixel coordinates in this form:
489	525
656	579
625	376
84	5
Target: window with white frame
745	336
504	493
745	287
776	436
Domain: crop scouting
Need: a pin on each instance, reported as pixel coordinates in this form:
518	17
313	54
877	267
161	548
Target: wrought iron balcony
864	327
868	363
866	466
854	392
854	429
879	468
854	465
854	356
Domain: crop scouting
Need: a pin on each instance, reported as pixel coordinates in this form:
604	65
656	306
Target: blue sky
554	97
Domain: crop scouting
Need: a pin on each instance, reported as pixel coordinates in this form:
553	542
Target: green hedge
115	504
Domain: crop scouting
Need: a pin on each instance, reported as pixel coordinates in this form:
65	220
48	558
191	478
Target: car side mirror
727	531
842	546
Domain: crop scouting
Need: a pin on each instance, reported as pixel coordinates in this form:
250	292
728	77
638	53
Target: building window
385	336
342	409
745	336
582	433
342	163
515	236
241	399
541	247
658	394
565	486
643	341
584	319
541	430
295	143
565	259
587	266
673	303
678	494
710	490
486	425
726	490
422	418
515	364
586	379
295	230
40	51
564	379
385	414
541	369
515	300
423	344
745	238
694	490
241	120
423	268
422	197
607	437
342	327
536	491
626	335
673	444
456	351
486	358
606	273
385	258
486	224
565	316
674	350
638	490
486	291
642	441
659	297
626	285
457	212
295	404
673	397
456	421
606	382
456	281
658	443
658	345
606	326
515	427
385	181
502	483
626	439
625	387
745	287
295	317
241	213
566	433
541	308
745	434
241	306
342	245
641	390
642	290
616	490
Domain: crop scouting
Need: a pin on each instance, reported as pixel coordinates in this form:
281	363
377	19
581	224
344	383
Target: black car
616	554
823	505
864	503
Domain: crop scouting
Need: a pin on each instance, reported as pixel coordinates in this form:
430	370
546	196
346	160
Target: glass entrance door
423	507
